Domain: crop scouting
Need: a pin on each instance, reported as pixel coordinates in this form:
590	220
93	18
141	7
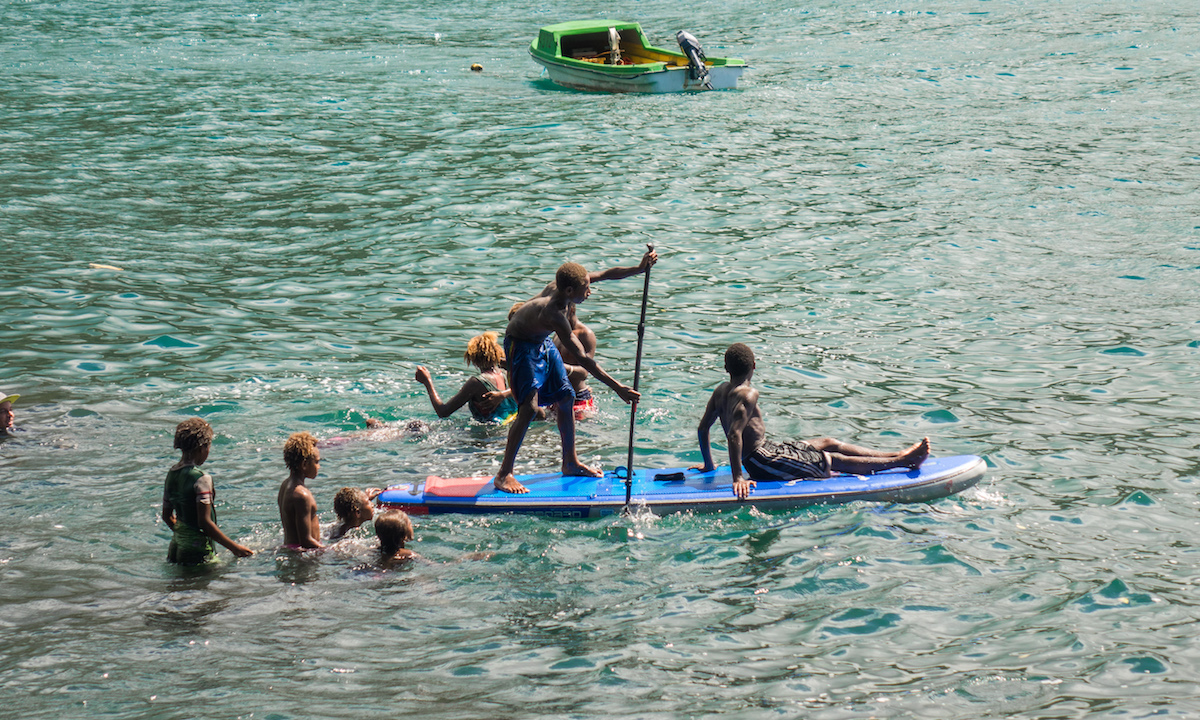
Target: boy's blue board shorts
536	365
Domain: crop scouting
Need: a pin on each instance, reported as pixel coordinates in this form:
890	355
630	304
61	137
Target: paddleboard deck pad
670	490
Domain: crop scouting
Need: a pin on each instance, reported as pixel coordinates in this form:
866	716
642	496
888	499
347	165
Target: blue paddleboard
671	490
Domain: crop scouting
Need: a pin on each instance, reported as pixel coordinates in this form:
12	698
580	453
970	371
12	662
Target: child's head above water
484	352
393	528
353	505
300	448
739	359
193	434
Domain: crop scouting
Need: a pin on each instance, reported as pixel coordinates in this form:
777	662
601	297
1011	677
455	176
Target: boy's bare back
540	317
736	406
298	514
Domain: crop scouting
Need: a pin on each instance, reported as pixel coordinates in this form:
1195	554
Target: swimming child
536	370
485	394
353	507
188	496
297	507
735	403
394	528
379	431
6	413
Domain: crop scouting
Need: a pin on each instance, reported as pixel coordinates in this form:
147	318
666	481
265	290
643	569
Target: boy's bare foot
579	470
915	455
509	484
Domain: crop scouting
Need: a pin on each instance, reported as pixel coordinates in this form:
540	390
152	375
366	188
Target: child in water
297	507
353	507
394	528
6	413
188	496
485	394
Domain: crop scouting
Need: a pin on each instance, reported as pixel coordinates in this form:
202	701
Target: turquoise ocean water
972	220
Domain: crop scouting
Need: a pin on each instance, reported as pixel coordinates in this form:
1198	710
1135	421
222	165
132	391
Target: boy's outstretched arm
209	528
445	409
617	273
568	339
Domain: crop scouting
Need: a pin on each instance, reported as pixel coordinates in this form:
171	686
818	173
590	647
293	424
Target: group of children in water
549	353
188	504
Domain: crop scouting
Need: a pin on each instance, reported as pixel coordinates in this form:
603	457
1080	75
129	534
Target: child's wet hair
739	359
349	503
484	352
570	275
299	448
515	307
393	528
193	434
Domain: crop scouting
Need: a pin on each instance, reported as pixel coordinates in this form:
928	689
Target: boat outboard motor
614	46
695	55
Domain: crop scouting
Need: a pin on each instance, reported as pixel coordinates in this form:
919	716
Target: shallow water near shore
971	221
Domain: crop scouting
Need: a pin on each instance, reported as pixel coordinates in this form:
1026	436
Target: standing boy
297	507
536	371
736	404
187	505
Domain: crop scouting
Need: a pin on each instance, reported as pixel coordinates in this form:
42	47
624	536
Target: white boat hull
666	80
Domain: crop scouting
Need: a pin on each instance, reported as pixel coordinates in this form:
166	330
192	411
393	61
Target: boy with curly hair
297	507
353	507
188	496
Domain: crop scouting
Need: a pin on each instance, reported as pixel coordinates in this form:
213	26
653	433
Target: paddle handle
637	376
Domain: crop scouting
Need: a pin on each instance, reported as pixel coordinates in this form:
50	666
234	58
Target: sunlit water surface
969	220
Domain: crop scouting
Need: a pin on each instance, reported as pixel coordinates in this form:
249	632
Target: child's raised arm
470	389
618	273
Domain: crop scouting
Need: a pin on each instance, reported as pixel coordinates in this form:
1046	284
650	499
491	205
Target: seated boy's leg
911	457
833	445
571	465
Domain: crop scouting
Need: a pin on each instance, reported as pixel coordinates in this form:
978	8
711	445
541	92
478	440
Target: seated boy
394	528
536	371
353	507
188	496
735	403
297	507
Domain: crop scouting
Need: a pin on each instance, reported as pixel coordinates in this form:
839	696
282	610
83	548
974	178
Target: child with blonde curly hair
297	506
485	394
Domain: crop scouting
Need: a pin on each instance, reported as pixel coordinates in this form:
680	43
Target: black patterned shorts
787	461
